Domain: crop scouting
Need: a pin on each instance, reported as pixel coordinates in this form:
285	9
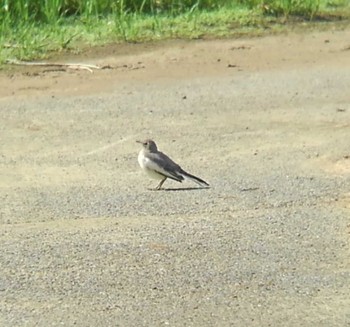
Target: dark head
149	145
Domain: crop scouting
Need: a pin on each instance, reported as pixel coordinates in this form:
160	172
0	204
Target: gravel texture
84	242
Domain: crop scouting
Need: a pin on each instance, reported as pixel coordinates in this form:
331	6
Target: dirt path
265	121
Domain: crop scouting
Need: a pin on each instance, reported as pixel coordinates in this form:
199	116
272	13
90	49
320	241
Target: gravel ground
84	242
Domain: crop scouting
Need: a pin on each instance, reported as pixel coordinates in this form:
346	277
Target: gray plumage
158	165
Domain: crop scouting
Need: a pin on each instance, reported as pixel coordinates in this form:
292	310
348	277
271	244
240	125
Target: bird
159	166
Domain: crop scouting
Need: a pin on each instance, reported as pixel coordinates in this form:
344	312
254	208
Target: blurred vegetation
49	11
32	28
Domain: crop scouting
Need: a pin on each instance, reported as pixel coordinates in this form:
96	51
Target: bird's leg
161	183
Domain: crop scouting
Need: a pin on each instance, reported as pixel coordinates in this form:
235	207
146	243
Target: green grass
32	29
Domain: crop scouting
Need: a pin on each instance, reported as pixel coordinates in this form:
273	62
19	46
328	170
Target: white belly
143	164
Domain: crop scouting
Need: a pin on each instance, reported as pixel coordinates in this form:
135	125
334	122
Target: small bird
159	166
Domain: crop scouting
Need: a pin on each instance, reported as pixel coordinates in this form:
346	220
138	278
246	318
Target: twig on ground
76	66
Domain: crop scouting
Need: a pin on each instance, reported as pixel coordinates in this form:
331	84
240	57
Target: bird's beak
137	141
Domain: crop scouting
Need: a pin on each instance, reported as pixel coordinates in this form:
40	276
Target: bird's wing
163	165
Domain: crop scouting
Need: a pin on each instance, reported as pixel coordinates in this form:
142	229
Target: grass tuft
32	29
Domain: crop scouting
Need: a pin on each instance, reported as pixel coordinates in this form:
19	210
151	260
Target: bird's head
149	145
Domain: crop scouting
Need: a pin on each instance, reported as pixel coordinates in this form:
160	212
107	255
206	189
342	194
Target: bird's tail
195	179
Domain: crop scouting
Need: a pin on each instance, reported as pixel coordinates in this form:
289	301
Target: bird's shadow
177	189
